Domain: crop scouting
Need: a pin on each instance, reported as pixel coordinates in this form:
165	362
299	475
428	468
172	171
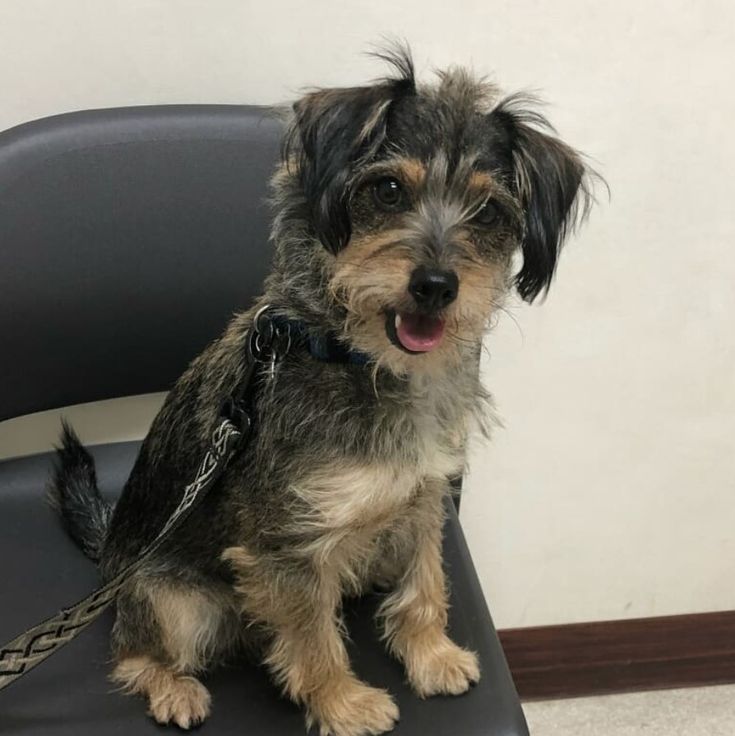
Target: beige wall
611	490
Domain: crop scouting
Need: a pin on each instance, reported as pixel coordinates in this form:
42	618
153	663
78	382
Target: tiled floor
707	711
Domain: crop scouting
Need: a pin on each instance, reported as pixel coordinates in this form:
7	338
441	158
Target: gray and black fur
341	487
73	491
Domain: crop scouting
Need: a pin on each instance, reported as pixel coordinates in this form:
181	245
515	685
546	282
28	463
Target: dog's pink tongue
419	333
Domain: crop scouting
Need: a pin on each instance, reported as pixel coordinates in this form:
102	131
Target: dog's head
416	199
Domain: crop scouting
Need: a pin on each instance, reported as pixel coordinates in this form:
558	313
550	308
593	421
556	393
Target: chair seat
69	695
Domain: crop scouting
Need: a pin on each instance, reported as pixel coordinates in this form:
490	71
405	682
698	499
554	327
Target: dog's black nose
433	289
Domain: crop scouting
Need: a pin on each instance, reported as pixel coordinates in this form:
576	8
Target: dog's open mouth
414	333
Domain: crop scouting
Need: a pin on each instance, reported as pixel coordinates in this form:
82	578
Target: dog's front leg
415	613
299	605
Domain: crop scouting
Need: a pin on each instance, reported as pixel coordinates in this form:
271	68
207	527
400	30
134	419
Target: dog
400	209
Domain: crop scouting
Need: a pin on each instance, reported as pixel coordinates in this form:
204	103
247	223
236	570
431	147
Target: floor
706	711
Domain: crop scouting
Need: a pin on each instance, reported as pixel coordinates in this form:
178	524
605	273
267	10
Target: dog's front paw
184	701
352	709
440	667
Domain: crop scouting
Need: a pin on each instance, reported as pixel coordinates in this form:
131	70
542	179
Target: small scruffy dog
399	208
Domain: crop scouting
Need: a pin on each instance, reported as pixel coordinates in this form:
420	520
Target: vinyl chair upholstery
127	239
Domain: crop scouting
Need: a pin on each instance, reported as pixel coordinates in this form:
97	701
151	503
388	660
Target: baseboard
621	656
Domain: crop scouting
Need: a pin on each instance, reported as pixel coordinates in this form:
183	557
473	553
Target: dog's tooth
398	320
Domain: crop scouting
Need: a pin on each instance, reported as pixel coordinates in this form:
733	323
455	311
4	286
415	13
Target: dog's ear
333	132
551	181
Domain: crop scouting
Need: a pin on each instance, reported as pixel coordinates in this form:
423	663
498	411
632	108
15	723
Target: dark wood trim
620	656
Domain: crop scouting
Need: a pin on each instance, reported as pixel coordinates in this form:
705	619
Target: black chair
127	238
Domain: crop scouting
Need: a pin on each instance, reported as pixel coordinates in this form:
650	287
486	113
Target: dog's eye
388	193
487	214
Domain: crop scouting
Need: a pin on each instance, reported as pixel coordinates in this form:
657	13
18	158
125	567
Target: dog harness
268	341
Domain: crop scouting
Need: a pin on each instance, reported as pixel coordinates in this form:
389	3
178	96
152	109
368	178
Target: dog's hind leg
163	635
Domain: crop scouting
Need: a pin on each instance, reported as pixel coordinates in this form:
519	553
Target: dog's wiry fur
342	486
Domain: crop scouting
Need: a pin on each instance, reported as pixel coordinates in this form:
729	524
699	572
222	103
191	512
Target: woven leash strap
267	343
36	644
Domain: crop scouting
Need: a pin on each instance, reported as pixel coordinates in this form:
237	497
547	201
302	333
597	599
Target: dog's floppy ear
551	181
333	131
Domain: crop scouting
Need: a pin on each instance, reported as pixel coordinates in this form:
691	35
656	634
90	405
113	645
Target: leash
268	341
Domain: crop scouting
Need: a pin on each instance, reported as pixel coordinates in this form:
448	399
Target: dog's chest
350	491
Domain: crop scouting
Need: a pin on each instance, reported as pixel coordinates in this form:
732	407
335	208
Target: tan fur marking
415	614
361	495
437	666
412	172
483	291
348	707
171	697
348	507
307	655
481	181
374	271
190	623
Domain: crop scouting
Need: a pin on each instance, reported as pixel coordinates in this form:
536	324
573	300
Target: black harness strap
267	343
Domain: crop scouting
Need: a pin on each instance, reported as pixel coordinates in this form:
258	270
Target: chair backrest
127	238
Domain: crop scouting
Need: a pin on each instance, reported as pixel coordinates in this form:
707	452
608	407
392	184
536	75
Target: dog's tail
73	492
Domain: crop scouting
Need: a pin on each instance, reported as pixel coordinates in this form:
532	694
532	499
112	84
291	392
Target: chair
127	238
